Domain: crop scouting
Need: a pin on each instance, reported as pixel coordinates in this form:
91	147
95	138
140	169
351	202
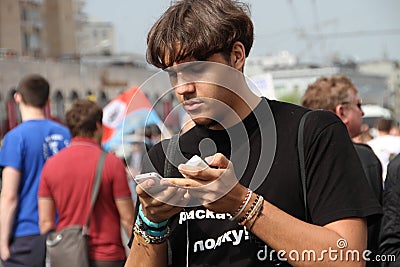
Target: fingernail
209	159
164	182
181	191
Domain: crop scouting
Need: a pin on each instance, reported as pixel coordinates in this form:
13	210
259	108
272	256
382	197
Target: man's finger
218	160
179	182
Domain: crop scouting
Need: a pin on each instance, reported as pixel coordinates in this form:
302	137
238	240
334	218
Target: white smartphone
140	178
197	161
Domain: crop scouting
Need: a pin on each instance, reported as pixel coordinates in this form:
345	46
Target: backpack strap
300	149
170	155
168	168
96	184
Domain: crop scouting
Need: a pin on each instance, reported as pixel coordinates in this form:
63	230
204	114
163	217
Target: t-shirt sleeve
120	182
337	186
11	153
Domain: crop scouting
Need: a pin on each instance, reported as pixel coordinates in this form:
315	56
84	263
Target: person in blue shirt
25	150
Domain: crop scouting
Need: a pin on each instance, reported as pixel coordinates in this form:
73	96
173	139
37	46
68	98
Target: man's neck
31	113
242	110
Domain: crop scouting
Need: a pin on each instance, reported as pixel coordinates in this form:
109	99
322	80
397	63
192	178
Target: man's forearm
283	232
147	255
8	207
46	227
126	211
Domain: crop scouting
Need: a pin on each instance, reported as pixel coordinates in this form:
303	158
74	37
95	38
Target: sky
316	31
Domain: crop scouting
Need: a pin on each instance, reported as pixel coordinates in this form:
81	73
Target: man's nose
183	87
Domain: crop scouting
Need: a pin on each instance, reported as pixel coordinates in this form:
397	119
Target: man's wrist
242	206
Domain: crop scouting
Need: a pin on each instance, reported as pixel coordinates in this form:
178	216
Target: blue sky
314	30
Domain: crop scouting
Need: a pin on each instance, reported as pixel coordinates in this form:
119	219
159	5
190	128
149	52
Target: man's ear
238	55
340	111
99	126
17	97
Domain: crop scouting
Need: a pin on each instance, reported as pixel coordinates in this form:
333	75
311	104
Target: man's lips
192	104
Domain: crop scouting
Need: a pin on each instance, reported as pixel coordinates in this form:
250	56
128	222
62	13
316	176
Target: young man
339	95
66	184
249	203
25	150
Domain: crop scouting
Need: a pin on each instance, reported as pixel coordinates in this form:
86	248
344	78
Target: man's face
353	114
206	89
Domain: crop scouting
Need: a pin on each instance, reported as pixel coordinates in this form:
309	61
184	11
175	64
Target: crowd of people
286	184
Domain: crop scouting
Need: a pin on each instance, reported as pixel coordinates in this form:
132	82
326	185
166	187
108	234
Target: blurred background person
24	151
390	229
364	136
385	146
152	135
66	185
395	130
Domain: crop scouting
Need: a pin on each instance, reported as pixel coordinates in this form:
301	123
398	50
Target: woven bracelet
242	206
254	211
260	209
150	230
150	223
149	238
250	210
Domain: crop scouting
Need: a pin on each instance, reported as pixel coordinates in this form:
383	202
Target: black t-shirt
336	185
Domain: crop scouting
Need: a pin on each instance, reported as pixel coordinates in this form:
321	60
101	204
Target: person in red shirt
66	184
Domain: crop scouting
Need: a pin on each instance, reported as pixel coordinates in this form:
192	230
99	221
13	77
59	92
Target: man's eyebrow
177	68
169	71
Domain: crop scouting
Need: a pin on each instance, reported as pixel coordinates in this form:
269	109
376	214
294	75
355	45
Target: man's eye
172	74
198	69
172	77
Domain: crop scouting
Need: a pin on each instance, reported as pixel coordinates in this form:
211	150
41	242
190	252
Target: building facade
39	28
96	38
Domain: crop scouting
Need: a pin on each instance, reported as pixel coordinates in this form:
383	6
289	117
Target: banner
130	111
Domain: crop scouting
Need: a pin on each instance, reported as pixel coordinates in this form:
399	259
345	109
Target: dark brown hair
198	29
384	125
34	90
327	93
81	119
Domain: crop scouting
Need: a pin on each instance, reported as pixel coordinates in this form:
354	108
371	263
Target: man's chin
207	122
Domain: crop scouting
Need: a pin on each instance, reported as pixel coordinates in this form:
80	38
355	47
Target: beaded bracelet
150	223
256	217
249	211
150	230
149	238
255	211
242	206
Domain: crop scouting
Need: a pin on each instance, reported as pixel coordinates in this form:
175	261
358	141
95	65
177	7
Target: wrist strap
150	223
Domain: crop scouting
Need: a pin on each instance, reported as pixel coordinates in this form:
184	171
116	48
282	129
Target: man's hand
5	251
161	206
217	188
